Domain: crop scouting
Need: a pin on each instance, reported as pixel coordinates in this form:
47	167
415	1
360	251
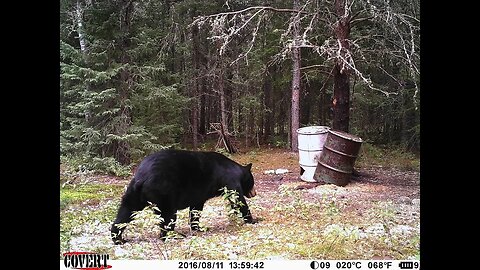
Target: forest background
137	76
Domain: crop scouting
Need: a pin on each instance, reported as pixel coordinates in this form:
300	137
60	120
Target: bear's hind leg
130	202
124	216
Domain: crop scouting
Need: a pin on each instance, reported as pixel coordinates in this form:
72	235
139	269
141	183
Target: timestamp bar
265	264
300	264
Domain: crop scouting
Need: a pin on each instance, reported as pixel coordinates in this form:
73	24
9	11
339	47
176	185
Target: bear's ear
249	166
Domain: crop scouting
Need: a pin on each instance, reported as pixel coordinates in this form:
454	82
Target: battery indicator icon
405	265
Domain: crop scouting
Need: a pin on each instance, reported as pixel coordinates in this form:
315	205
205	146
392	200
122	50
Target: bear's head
248	182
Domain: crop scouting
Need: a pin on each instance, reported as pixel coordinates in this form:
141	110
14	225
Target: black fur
177	179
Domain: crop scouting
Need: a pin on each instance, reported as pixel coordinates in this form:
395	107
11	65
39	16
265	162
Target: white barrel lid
313	130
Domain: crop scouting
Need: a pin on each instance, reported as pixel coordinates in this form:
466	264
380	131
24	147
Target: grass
85	205
390	157
292	224
302	230
87	194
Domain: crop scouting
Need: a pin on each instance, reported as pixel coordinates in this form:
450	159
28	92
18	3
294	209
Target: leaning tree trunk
341	77
296	58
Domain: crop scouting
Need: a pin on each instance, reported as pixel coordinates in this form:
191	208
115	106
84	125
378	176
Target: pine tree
119	104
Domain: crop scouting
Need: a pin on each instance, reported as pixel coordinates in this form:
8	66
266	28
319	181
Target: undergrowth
292	223
371	155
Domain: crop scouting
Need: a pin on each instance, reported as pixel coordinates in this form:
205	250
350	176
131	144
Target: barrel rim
310	150
350	137
309	166
339	152
322	129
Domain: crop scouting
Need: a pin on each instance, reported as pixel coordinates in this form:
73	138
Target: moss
84	205
90	193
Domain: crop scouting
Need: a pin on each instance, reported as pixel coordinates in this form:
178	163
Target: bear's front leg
168	224
195	212
246	214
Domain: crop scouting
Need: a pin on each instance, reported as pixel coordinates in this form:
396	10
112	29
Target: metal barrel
310	145
335	163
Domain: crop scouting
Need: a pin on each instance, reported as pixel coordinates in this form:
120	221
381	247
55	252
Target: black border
34	78
33	74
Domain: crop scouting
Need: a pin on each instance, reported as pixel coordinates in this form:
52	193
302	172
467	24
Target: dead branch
224	137
200	18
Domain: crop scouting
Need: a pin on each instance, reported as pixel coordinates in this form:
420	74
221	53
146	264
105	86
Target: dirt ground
370	183
375	216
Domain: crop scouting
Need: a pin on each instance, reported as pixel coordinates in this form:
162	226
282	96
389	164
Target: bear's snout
252	193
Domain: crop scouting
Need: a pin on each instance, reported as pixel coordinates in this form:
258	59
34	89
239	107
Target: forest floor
375	216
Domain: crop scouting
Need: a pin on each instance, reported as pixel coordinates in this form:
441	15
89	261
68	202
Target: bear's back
185	176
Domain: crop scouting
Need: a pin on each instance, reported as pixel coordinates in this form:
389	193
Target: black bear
177	179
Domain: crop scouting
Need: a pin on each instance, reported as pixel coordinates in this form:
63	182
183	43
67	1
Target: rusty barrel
335	163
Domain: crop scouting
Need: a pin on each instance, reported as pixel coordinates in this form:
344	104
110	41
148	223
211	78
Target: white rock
232	256
416	202
405	200
401	230
281	171
375	230
119	251
277	171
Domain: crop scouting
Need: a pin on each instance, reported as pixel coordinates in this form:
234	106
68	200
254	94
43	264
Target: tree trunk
259	125
80	29
228	95
267	106
122	151
202	128
241	119
247	132
208	112
296	58
341	100
83	49
282	118
341	76
221	92
251	123
305	101
195	84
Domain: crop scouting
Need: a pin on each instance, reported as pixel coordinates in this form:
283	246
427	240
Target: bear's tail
132	197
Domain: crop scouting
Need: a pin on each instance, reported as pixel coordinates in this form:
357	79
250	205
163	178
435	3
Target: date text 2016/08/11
199	265
219	265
